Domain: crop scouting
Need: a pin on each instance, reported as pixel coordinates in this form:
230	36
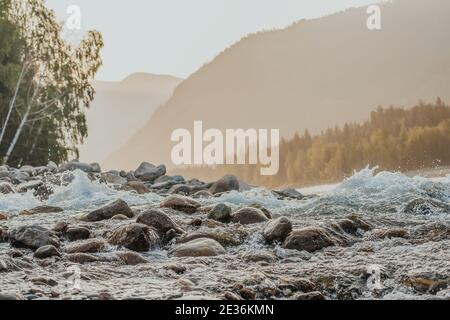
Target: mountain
120	109
312	75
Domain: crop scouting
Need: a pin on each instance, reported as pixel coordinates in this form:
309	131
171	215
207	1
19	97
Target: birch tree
55	81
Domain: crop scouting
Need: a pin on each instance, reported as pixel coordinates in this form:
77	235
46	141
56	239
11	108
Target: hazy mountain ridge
120	108
313	75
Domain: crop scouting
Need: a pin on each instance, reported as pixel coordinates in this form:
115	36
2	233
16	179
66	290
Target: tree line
395	139
45	85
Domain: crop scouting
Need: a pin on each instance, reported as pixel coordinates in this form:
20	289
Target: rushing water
386	200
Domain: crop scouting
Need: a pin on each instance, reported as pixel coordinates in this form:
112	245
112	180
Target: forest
393	138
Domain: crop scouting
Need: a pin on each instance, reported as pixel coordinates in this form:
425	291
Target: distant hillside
313	75
120	109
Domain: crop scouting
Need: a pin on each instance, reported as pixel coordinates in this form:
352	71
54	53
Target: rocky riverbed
74	232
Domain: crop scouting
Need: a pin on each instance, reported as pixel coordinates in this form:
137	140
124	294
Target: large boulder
29	185
159	221
201	247
32	237
309	239
248	215
180	203
109	211
227	183
149	172
220	212
277	230
224	238
86	246
136	236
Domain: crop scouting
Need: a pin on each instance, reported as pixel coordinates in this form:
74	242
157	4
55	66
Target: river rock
32	237
78	233
47	252
201	247
86	246
309	239
314	295
149	172
131	258
289	193
6	188
224	238
181	203
136	237
226	183
112	177
159	221
181	189
77	165
109	211
138	186
3	216
277	230
41	209
220	212
248	215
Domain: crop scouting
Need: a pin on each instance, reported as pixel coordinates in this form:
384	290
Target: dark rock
3	216
47	252
197	222
314	295
32	237
277	230
248	216
77	233
136	237
60	227
109	211
290	193
201	247
220	212
6	188
232	296
44	281
181	189
86	246
227	183
389	233
159	221
149	172
180	203
309	239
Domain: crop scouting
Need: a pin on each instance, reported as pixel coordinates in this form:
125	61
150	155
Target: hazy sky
178	36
